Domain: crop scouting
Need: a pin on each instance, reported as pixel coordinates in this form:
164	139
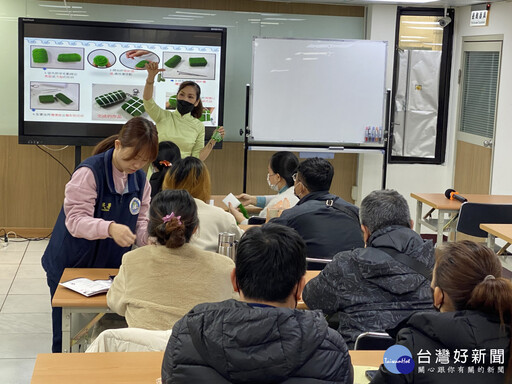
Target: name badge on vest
135	206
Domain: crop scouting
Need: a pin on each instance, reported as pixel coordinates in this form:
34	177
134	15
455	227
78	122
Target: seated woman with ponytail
475	312
159	283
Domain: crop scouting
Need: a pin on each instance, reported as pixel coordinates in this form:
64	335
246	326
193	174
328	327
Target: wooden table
447	210
73	302
309	275
503	231
245	227
126	367
97	368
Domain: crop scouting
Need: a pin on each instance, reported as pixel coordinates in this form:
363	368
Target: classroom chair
471	215
316	264
373	341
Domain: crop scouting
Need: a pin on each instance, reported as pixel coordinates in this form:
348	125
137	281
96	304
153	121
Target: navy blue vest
66	251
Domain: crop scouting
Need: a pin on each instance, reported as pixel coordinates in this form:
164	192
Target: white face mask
273	187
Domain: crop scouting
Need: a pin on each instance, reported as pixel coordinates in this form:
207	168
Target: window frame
444	86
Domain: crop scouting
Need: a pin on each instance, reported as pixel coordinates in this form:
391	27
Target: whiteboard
317	91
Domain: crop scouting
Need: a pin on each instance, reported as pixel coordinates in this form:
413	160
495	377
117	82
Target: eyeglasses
294	177
271	174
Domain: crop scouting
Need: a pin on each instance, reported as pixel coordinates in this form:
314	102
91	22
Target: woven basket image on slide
111	98
134	106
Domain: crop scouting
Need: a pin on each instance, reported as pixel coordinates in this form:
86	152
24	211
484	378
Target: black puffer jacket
432	332
233	342
369	289
325	229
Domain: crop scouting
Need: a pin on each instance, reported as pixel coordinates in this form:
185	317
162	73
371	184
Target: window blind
479	92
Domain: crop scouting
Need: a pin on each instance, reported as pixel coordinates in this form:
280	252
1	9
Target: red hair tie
165	163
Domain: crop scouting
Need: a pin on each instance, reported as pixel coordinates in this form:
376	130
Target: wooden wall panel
245	6
32	187
345	174
226	168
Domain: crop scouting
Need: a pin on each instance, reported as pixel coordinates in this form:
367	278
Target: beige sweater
156	286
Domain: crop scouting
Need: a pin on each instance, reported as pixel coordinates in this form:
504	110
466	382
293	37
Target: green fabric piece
173	61
40	55
69	57
100	60
46	99
141	64
62	97
197	61
134	106
110	98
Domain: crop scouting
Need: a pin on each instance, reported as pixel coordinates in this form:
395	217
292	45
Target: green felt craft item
69	57
173	61
134	106
46	99
110	98
62	97
173	102
100	61
141	64
39	55
197	61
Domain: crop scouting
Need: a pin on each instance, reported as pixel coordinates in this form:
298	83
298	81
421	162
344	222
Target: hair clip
168	218
165	163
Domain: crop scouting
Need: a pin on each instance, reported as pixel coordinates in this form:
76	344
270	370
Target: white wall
499	23
405	178
9	13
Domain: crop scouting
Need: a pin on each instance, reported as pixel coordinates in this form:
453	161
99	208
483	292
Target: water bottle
227	245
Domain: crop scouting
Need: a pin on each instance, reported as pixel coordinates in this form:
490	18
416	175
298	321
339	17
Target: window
479	92
421	81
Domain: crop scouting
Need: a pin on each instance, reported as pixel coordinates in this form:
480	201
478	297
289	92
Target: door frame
464	136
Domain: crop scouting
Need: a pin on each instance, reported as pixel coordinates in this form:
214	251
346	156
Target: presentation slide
92	81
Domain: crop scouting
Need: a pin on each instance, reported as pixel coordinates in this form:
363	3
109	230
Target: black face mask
184	107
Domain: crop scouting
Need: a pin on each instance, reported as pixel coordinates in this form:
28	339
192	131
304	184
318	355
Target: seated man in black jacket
374	288
327	223
262	338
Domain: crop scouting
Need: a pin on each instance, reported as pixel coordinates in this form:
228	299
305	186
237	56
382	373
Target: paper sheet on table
88	287
359	373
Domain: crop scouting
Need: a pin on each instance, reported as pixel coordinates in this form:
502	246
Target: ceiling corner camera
444	21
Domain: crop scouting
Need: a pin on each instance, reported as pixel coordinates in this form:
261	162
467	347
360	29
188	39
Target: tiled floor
25	312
